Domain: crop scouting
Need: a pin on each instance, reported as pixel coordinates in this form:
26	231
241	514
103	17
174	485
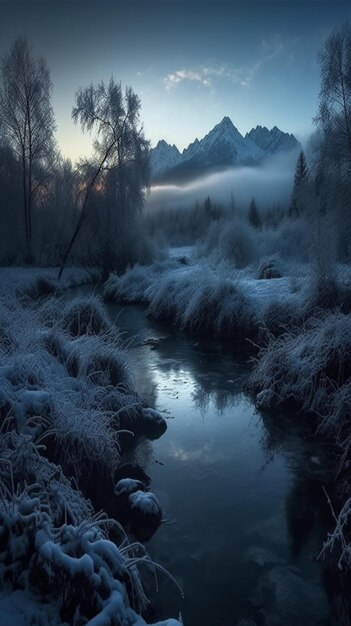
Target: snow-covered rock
126	486
146	514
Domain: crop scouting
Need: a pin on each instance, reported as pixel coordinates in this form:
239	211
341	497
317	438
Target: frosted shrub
291	239
233	240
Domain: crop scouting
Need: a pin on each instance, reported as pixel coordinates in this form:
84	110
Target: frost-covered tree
253	215
300	184
119	173
27	123
332	141
334	117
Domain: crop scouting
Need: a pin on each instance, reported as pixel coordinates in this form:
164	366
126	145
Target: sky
191	63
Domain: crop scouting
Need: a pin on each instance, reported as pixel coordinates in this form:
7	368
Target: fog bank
270	183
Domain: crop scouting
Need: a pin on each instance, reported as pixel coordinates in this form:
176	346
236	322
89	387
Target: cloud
206	75
203	75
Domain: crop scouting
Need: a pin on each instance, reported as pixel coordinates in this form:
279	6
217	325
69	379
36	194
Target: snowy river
243	502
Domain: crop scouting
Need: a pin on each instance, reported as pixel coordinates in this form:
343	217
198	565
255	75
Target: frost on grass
38	282
199	298
66	389
309	370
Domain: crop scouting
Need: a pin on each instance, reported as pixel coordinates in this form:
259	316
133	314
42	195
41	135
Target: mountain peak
226	121
226	124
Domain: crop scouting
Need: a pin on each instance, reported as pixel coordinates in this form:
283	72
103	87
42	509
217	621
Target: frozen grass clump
306	368
35	282
325	289
85	316
133	284
203	300
207	297
269	267
130	287
281	315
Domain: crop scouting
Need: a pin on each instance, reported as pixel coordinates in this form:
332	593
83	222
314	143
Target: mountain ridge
221	147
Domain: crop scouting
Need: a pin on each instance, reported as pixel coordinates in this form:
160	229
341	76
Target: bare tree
121	156
27	121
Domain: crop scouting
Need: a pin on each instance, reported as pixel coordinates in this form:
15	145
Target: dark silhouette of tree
300	180
208	205
28	123
120	169
334	117
232	203
253	215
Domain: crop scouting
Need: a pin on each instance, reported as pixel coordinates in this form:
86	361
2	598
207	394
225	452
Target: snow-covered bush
74	568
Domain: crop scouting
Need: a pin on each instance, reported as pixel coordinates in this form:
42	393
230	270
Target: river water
245	512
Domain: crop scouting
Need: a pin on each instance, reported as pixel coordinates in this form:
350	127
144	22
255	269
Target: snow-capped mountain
163	157
221	147
223	143
272	141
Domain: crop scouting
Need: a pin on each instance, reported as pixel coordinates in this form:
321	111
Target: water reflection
244	490
245	495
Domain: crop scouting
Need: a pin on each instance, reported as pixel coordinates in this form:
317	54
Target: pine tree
232	203
300	180
208	205
254	216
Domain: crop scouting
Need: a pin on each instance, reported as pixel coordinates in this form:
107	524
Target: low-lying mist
270	183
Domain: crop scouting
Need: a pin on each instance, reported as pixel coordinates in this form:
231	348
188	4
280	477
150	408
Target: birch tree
27	123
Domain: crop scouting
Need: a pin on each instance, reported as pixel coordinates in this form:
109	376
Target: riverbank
298	324
66	392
